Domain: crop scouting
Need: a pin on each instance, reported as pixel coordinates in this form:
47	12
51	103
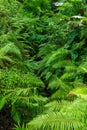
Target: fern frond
57	54
83	67
79	92
62	63
68	76
59	94
45	49
53	106
9	52
33	80
70	116
56	121
10	48
70	68
56	83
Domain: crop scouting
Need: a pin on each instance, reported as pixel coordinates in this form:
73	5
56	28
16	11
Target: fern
79	92
51	121
71	116
9	49
43	61
23	93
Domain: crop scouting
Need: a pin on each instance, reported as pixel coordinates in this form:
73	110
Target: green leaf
2	102
15	114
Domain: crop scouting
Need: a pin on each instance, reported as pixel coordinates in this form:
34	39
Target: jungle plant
43	63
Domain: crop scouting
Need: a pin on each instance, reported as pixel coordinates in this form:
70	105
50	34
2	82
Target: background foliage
43	63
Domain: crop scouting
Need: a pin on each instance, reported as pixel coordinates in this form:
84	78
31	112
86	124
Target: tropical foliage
43	63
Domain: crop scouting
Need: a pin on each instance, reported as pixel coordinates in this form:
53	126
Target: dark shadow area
6	122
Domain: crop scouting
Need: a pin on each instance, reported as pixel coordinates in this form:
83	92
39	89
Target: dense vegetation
43	64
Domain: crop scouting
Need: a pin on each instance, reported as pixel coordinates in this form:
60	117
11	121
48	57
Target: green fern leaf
3	101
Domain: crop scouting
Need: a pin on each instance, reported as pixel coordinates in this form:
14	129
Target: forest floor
6	123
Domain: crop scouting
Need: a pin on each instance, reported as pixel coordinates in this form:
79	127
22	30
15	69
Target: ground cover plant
43	65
